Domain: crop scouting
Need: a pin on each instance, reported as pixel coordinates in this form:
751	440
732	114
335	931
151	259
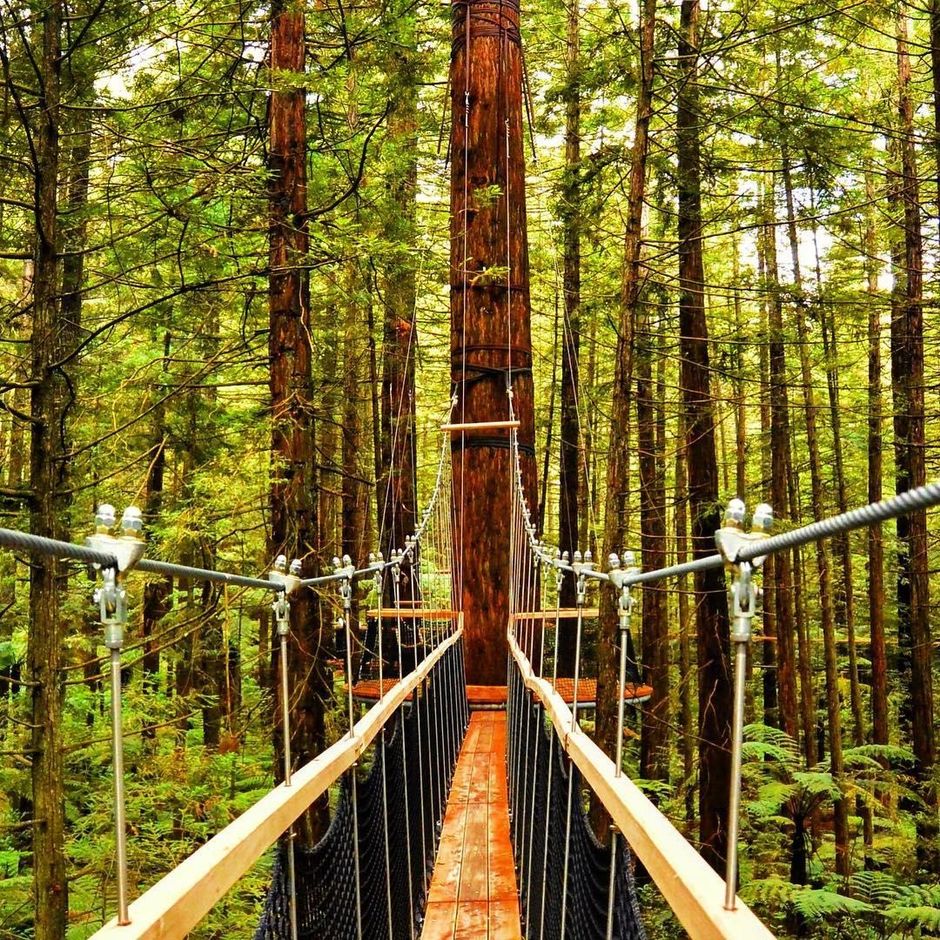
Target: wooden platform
494	696
473	892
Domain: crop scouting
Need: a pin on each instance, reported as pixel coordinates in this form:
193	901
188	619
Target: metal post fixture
744	596
111	599
281	611
625	612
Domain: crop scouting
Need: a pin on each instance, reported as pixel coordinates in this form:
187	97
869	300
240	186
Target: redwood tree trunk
907	374
396	497
293	509
568	475
712	626
491	344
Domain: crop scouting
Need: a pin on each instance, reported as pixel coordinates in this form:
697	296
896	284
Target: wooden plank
693	890
413	613
479	426
487	902
564	613
176	903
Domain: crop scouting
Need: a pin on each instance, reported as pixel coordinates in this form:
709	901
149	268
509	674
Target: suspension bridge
461	810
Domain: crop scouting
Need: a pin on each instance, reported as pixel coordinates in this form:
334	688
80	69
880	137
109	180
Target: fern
816	904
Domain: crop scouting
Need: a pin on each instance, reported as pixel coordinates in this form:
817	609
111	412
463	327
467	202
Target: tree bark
712	625
876	551
618	449
48	480
569	430
907	374
397	497
788	710
491	345
293	507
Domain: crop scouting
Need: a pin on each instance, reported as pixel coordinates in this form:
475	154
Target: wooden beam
479	426
691	887
564	613
393	613
176	903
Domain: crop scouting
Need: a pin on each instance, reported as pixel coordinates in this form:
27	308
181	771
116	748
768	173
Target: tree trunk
876	551
491	346
771	714
293	508
833	704
654	738
686	672
907	374
396	496
618	450
48	479
712	625
568	471
788	710
157	591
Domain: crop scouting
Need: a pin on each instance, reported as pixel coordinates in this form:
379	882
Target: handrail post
744	596
111	599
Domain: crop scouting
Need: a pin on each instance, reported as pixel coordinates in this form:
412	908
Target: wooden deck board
473	893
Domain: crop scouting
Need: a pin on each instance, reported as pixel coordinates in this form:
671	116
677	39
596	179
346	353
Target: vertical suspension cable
346	589
379	586
559	578
574	728
396	597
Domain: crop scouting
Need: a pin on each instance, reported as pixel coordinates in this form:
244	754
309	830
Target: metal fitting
732	537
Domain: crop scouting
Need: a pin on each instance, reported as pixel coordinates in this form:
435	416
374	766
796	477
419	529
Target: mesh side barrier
414	776
539	780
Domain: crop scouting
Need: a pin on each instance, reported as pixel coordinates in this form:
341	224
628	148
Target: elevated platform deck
473	892
493	697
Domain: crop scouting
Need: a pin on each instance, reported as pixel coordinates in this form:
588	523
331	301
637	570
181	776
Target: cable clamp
289	581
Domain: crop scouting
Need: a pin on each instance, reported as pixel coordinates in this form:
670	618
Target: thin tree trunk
769	602
654	738
788	711
686	672
876	551
569	429
827	617
618	453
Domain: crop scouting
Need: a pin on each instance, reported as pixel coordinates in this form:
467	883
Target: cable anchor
111	600
730	539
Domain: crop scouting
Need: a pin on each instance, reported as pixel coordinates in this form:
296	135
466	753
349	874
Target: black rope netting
538	796
418	751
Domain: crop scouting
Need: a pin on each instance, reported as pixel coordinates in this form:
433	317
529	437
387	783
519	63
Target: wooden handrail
176	903
691	887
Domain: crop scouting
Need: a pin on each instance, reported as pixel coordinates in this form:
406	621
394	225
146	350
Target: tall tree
712	625
491	341
48	478
618	448
570	345
293	510
907	377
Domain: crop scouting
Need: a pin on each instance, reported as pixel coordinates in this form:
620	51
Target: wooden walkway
473	891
